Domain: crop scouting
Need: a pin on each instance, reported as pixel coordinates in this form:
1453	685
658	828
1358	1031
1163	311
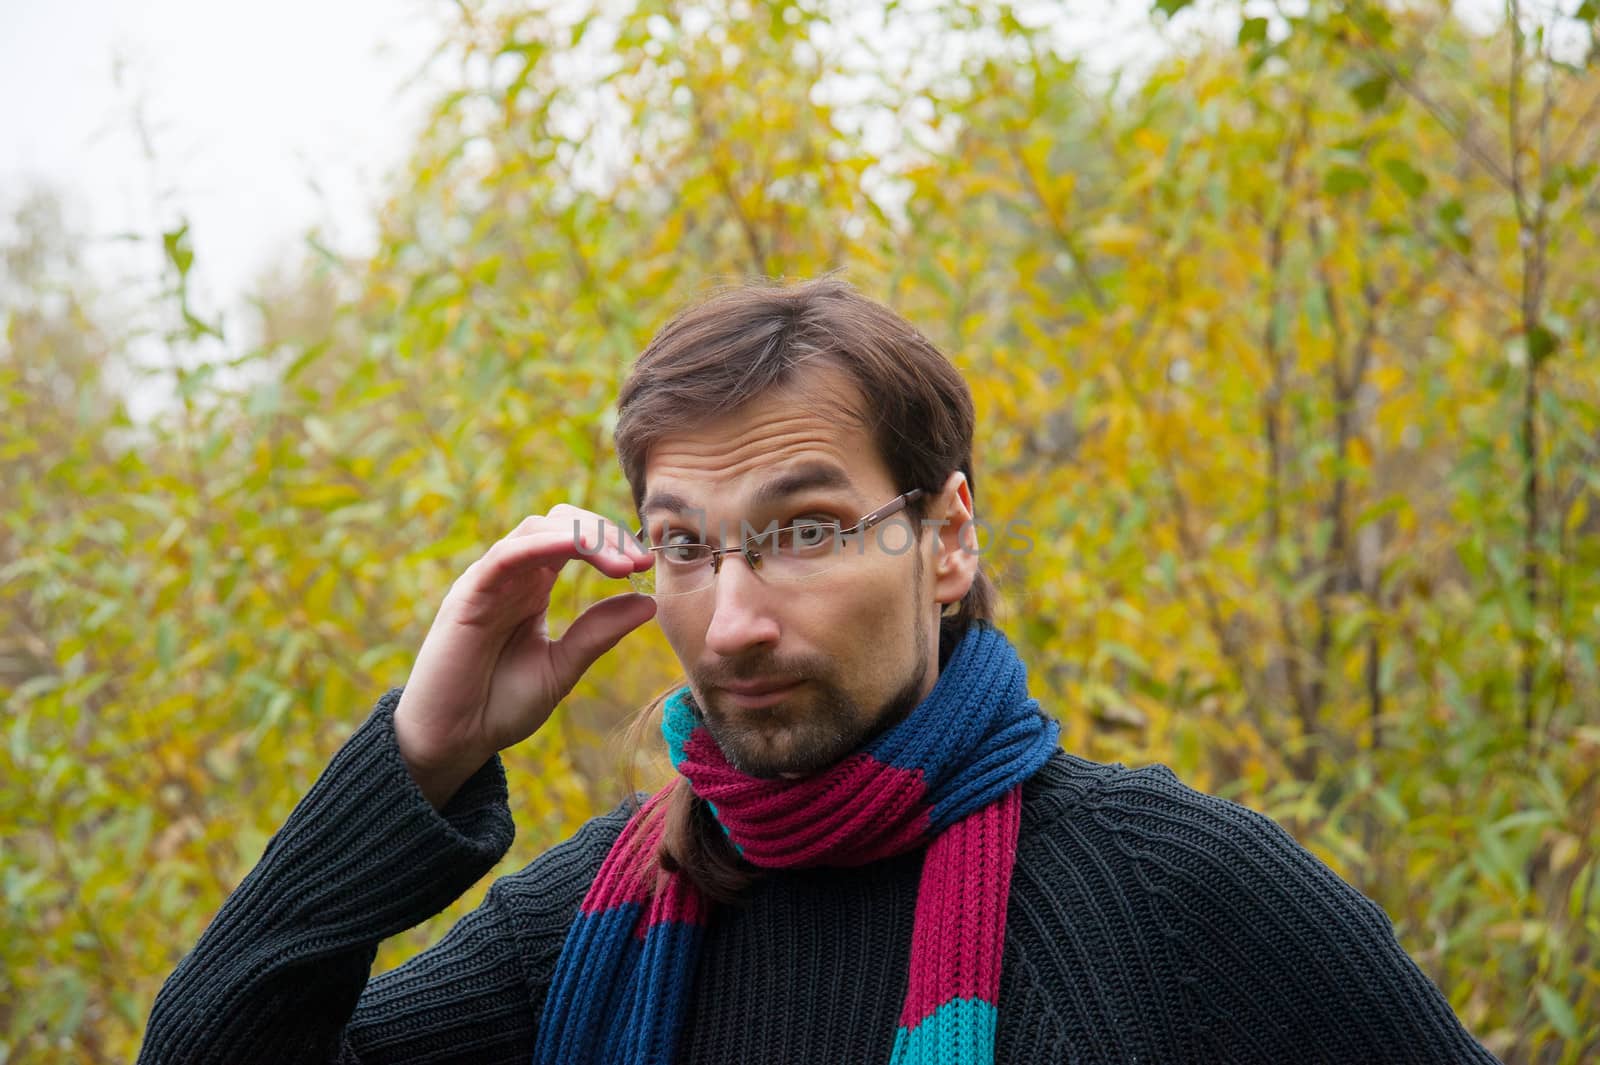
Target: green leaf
69	996
1373	21
176	246
197	327
1559	1011
1171	7
166	642
1371	92
1341	180
1391	804
1413	181
1453	220
1578	896
1253	31
1259	56
1542	343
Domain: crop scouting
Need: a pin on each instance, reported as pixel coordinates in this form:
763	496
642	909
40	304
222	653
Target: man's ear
955	540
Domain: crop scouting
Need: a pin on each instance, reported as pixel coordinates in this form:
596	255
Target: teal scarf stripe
960	1031
677	721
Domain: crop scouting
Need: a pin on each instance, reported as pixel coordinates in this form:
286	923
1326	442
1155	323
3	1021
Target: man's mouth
754	694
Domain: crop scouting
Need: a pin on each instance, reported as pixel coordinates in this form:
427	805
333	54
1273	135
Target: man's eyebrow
664	501
805	477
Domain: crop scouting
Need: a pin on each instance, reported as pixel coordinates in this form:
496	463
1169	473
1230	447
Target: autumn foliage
1286	351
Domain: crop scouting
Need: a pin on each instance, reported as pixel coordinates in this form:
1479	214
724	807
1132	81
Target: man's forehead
810	475
809	434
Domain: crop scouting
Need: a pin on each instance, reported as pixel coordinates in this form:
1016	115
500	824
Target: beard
815	726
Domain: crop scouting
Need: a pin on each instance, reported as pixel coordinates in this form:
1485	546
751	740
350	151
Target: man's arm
1284	960
385	840
277	975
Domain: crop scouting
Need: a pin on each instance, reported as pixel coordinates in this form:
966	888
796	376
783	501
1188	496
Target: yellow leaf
1116	238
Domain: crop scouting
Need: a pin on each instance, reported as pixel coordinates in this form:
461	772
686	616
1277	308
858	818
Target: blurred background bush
1284	347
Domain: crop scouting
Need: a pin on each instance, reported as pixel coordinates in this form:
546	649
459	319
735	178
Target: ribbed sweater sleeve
1282	959
277	975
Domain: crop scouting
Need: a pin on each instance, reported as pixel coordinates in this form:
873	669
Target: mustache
756	670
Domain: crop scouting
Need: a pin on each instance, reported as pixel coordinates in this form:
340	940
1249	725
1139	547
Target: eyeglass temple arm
888	510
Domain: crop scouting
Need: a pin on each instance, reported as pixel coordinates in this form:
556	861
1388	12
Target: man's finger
553	545
595	632
588	526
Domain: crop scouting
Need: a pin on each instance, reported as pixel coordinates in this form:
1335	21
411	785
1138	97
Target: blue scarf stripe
983	672
1012	755
602	944
646	1027
978	707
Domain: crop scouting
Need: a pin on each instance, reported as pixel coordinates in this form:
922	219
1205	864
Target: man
874	849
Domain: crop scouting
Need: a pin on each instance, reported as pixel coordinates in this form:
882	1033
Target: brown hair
742	342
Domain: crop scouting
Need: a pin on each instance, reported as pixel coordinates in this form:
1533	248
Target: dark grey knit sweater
1147	923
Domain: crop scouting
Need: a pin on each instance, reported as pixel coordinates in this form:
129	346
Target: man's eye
681	547
810	533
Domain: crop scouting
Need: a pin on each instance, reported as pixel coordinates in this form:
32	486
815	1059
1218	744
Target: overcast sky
263	118
266	119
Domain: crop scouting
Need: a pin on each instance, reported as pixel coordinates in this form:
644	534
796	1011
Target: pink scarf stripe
958	931
629	873
677	903
630	876
856	812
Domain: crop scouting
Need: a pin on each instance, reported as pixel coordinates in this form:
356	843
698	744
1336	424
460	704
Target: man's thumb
596	631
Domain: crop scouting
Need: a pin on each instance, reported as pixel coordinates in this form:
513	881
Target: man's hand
488	675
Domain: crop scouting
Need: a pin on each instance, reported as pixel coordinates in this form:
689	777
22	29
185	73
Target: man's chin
762	765
795	738
755	756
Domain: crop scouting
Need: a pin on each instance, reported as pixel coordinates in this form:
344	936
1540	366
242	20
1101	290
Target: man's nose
742	609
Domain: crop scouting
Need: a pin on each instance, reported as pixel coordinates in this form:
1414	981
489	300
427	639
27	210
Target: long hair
741	343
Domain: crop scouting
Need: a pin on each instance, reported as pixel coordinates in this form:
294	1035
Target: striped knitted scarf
949	775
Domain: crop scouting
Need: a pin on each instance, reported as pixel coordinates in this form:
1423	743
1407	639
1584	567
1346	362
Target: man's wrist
438	777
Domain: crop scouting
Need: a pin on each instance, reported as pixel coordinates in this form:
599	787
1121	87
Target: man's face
858	642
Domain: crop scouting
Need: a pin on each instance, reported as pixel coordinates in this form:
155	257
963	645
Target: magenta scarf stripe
958	931
801	826
948	777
